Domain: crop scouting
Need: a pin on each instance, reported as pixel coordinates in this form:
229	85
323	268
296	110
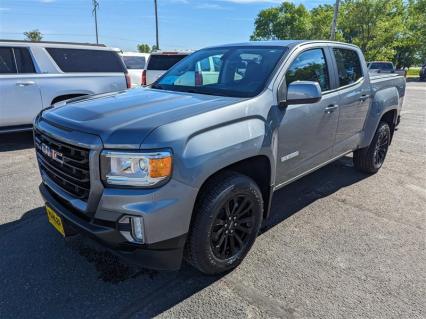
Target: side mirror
302	92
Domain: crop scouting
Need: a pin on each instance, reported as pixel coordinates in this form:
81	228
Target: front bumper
162	255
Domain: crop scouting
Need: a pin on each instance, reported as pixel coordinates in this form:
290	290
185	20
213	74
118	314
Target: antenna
96	6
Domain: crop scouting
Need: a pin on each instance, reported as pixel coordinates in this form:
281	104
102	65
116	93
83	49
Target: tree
143	48
154	48
373	25
321	18
34	35
287	21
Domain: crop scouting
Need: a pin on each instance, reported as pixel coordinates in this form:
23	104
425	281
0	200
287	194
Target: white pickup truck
35	75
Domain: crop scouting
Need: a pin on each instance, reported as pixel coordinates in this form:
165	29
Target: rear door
307	131
354	91
20	96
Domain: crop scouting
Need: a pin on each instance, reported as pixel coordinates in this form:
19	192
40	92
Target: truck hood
124	119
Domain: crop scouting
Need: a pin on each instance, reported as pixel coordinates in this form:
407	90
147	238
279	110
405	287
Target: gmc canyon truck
186	168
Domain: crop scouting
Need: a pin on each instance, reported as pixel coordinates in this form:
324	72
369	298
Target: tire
226	196
370	159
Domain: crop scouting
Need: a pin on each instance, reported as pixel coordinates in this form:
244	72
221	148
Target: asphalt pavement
339	244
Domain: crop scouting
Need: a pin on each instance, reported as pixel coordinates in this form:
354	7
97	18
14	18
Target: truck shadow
46	276
16	141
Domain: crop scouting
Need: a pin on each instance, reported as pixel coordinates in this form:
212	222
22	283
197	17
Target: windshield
134	62
226	71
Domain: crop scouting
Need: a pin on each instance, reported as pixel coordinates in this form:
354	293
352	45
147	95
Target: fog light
137	228
132	228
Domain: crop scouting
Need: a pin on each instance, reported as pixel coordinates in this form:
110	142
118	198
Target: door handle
25	83
364	97
331	108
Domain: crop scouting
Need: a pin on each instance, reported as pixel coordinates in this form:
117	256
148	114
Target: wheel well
390	118
257	168
65	97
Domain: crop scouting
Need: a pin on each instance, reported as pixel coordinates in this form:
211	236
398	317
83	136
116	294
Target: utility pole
95	6
157	44
334	23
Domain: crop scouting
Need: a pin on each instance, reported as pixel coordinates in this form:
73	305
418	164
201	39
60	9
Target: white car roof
47	44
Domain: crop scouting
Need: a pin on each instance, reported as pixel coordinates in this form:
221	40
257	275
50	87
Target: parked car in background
159	62
381	67
187	167
422	73
36	75
135	63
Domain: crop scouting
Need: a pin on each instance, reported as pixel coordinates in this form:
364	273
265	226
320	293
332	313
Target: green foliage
154	48
34	35
287	21
143	48
393	30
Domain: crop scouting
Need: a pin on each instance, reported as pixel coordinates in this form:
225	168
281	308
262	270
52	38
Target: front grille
65	164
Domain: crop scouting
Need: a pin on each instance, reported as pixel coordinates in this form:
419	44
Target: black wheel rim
232	227
381	148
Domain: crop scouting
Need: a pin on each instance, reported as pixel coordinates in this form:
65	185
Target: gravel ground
339	244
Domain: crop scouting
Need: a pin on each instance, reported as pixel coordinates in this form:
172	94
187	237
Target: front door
307	131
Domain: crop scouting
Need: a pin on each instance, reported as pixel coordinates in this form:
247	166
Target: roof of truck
49	44
283	43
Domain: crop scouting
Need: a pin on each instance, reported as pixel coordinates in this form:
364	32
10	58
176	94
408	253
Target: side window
24	62
217	63
84	60
348	66
204	65
310	66
7	62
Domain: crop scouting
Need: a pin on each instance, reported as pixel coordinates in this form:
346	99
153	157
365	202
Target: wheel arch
258	168
64	97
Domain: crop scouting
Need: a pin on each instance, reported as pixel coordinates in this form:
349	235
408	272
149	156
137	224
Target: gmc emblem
54	155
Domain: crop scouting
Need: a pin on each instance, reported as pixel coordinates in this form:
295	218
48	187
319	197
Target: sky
183	24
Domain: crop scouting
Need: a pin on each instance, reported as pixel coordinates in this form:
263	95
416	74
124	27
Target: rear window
24	61
163	62
7	63
134	62
80	60
348	66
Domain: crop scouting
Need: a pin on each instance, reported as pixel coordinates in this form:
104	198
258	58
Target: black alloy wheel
232	227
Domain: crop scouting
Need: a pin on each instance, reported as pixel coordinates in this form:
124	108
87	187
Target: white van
159	62
35	75
135	63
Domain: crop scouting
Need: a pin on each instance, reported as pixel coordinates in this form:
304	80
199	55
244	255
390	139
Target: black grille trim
73	173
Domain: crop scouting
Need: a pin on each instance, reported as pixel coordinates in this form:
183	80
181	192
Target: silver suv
36	75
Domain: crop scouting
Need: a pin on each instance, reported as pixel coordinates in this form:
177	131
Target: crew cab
36	75
186	168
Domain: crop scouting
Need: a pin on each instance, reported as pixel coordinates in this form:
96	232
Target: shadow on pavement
43	275
16	141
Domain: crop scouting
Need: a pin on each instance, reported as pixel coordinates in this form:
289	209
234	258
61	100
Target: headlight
135	169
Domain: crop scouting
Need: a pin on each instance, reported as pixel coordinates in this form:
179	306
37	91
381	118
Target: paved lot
339	244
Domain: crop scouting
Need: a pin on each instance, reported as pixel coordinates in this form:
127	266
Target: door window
7	62
24	61
310	66
348	66
83	60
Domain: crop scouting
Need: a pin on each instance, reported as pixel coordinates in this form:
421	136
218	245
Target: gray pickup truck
187	167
